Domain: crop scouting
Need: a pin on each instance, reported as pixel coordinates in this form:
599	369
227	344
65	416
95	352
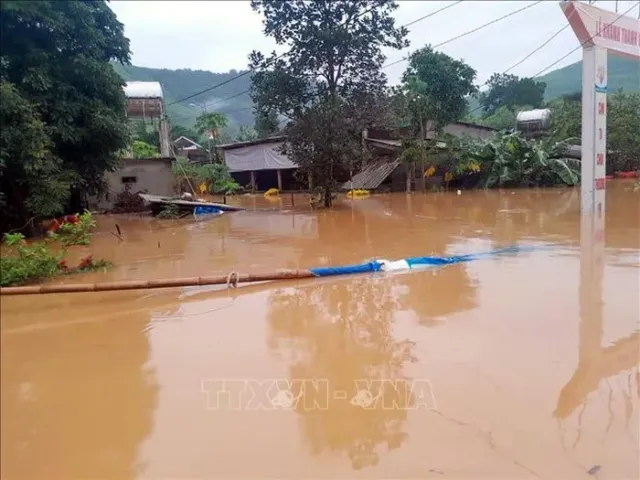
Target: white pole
594	129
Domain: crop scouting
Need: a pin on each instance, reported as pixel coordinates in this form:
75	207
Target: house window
126	180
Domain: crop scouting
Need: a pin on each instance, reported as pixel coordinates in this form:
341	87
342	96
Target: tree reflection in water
437	293
340	333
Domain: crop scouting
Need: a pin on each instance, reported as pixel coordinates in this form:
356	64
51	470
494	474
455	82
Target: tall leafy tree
55	62
329	84
510	91
436	86
433	93
211	122
178	131
211	125
267	123
246	133
566	118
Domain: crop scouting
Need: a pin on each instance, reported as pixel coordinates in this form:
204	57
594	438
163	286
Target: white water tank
534	122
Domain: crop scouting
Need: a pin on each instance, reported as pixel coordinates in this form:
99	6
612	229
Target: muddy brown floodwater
505	367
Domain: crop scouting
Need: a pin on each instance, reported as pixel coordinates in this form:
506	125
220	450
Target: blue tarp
346	270
207	210
417	262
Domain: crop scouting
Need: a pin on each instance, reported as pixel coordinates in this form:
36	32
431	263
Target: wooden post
292	200
279	172
310	180
253	181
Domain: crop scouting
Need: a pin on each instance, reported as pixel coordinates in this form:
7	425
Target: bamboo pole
229	280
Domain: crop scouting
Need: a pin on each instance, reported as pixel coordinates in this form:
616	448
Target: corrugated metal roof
143	90
250	143
371	176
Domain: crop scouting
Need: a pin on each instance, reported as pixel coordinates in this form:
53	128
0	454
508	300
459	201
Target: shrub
34	261
215	175
30	262
77	233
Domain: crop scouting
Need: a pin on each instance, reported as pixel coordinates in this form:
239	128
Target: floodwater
522	366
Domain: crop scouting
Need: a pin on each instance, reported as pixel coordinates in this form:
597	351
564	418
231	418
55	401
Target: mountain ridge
177	84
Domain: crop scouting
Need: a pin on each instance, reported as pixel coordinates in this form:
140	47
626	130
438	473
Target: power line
544	44
213	87
561	58
471	31
428	15
244	74
585	42
408	24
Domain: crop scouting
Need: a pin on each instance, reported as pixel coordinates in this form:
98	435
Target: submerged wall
151	174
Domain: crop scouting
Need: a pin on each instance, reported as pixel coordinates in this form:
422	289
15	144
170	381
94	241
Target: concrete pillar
165	145
279	172
594	129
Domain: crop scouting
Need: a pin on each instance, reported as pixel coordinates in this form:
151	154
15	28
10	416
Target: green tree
144	150
436	86
510	91
212	122
147	133
623	131
267	123
55	62
211	125
178	131
246	133
33	180
502	119
330	84
566	118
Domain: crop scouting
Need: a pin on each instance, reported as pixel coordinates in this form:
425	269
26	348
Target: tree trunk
27	225
410	168
327	195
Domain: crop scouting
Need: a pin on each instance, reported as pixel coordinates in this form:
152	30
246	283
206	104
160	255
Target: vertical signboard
600	143
594	128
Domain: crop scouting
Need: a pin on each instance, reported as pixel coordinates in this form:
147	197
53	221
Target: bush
144	150
77	233
30	262
215	175
34	261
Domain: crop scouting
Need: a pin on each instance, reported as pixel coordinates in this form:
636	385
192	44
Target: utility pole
203	106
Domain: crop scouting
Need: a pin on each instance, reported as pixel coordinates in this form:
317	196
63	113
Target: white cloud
219	35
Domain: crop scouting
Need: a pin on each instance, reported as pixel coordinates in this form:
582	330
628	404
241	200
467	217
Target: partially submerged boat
158	203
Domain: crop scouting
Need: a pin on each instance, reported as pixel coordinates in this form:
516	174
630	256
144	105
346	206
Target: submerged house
387	172
259	164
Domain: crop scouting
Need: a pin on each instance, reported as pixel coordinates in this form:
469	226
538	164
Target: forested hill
178	84
624	73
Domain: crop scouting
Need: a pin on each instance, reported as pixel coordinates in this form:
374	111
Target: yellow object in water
474	166
272	191
430	171
448	176
357	193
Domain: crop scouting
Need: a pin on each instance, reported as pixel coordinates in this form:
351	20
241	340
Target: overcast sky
218	35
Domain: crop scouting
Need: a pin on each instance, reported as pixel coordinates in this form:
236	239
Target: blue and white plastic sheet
413	262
